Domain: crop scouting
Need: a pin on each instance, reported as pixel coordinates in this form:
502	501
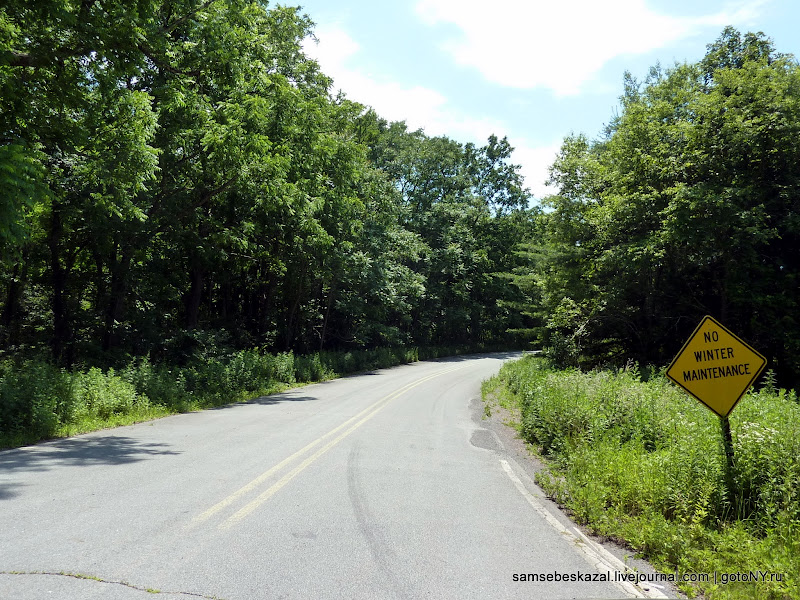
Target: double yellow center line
348	426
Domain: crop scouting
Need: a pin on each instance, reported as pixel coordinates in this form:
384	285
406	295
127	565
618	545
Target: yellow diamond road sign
716	367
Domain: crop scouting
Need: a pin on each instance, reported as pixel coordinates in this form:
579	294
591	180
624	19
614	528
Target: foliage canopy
178	172
687	205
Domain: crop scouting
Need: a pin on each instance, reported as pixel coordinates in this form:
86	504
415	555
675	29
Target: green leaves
21	178
683	209
181	165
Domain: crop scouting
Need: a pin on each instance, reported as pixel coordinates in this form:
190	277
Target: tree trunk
291	315
100	278
59	277
226	303
290	326
723	294
264	306
194	297
116	299
331	295
10	310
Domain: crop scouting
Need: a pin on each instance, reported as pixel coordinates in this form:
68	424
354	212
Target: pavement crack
84	576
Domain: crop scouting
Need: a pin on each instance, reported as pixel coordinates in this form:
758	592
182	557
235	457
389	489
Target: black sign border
734	336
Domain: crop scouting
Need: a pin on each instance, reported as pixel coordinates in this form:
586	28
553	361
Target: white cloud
423	107
333	45
334	51
420	107
534	161
561	44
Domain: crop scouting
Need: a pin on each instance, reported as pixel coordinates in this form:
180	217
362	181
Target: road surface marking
372	409
593	552
266	495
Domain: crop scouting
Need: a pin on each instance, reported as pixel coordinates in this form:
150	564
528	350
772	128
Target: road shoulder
501	424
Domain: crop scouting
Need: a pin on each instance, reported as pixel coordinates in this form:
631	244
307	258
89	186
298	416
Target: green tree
685	207
179	176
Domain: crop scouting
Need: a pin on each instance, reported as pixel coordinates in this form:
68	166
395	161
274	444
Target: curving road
381	485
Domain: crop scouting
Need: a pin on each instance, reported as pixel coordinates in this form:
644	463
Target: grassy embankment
39	401
639	461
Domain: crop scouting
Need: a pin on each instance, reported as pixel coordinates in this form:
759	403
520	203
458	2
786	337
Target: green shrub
562	351
310	368
34	397
102	395
161	384
641	461
281	367
38	400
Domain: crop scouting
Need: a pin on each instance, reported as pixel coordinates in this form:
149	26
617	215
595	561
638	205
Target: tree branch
148	52
21	59
177	22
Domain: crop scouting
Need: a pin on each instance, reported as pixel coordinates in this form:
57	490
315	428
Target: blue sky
533	71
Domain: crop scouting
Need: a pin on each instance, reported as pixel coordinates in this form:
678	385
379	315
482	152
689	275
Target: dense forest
178	173
688	204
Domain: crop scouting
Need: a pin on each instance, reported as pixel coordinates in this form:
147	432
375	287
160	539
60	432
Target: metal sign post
717	368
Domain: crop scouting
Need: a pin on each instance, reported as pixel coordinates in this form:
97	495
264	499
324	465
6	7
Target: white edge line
594	553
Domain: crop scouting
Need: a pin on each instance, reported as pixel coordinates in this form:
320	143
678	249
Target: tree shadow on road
6	492
80	452
277	398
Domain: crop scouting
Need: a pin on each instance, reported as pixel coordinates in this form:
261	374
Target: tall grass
638	460
39	401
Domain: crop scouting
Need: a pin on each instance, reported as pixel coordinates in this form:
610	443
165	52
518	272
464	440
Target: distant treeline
177	174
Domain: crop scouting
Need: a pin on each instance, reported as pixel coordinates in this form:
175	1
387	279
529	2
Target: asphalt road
382	485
